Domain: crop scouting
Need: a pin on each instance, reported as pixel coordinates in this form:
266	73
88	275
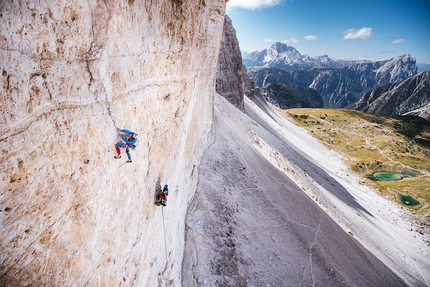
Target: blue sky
342	29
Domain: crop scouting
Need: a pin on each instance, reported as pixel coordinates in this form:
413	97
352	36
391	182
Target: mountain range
339	83
342	86
409	97
287	58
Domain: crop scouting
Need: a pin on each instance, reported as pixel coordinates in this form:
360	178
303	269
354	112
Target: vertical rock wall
73	72
230	79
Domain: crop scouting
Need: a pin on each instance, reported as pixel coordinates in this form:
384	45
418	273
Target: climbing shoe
117	156
129	161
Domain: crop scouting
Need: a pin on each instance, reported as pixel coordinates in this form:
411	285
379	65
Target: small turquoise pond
387	176
391	176
407	199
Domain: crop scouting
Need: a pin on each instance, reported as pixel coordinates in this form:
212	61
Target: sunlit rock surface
230	82
73	72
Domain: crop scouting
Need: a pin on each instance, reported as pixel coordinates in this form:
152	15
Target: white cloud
290	40
267	40
398	41
310	38
253	4
363	34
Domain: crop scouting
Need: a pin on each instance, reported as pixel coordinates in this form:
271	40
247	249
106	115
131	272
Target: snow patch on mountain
286	57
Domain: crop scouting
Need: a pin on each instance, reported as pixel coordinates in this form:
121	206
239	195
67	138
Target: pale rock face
230	74
73	72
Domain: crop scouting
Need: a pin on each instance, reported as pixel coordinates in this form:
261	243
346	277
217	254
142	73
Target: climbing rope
111	117
164	229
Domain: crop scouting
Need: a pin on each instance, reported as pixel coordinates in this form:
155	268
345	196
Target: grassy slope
377	143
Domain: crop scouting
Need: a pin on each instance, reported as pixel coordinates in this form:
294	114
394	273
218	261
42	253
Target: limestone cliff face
73	72
230	78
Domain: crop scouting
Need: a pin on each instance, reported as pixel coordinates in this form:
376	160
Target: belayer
129	139
162	197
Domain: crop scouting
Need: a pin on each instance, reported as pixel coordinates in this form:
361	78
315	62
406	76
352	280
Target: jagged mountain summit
286	57
409	97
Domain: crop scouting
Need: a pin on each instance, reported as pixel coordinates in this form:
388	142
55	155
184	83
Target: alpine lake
394	176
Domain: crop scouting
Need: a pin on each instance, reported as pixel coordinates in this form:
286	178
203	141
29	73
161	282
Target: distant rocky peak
402	60
406	57
286	57
399	68
324	58
279	48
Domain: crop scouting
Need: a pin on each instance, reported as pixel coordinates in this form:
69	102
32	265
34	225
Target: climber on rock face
162	198
128	142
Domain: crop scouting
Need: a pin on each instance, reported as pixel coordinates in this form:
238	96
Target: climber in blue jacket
129	139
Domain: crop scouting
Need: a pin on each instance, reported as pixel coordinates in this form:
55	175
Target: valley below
395	147
274	206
